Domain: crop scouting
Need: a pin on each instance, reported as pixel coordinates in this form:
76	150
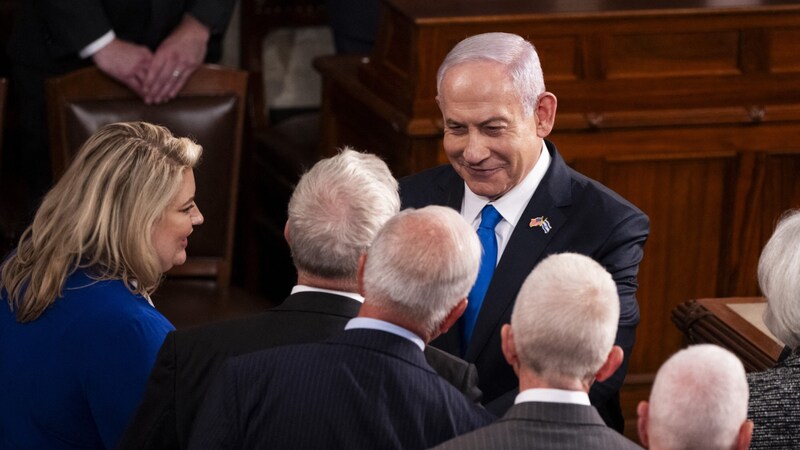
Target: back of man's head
699	400
565	319
336	210
421	265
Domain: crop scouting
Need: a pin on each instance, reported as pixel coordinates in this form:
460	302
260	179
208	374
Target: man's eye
456	129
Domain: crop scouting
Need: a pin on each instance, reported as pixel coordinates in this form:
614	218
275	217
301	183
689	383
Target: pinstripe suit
190	358
556	426
360	389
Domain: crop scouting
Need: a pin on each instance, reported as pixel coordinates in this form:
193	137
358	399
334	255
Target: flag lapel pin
542	222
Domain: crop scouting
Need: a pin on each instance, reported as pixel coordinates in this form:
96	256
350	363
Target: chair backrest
209	109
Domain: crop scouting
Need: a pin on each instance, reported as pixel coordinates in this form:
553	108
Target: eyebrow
450	122
188	202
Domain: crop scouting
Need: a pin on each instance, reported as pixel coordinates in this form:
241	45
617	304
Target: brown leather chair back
210	110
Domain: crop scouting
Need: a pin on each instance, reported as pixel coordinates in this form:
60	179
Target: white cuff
98	44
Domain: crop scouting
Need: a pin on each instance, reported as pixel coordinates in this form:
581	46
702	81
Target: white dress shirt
553	396
511	205
305	288
97	45
375	324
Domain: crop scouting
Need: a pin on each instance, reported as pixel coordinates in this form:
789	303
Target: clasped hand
158	76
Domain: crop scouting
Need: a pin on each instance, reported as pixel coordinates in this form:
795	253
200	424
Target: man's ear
453	316
362	262
613	361
545	114
745	435
508	347
286	234
641	424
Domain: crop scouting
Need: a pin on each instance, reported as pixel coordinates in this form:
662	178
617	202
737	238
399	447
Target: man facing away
559	342
699	400
504	177
334	213
368	386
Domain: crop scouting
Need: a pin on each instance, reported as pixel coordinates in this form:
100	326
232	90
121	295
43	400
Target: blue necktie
489	219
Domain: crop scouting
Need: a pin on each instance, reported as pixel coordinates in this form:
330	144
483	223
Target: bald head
699	400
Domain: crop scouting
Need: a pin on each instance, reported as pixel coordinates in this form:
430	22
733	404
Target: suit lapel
552	200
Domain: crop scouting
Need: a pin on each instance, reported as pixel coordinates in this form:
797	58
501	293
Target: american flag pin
541	221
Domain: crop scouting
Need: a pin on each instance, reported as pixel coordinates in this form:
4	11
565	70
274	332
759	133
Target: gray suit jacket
544	425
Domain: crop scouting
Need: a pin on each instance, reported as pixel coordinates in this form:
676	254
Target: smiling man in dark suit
334	213
506	179
369	386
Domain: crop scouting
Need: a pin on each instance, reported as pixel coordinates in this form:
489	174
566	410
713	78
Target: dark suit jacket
48	34
360	389
587	218
189	359
554	426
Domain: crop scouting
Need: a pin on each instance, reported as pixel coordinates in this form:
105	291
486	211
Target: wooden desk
724	322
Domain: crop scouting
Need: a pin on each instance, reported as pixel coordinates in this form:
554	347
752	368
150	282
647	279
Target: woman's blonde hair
99	216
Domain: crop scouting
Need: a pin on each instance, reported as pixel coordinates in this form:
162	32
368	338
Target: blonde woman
80	334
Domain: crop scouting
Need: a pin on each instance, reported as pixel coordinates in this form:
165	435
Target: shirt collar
306	288
381	325
553	396
512	204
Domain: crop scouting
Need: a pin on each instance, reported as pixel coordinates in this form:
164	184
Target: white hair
779	279
421	264
565	317
337	209
517	55
699	400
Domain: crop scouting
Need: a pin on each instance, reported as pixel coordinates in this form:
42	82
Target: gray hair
421	264
335	211
699	400
565	317
515	53
779	278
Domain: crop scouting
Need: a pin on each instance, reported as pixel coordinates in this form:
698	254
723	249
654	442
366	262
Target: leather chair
209	109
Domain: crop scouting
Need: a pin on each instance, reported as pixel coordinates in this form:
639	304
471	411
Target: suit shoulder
605	201
416	189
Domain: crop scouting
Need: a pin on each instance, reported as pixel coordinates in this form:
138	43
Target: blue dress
73	377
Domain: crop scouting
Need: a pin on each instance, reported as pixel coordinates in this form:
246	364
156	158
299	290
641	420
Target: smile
482	172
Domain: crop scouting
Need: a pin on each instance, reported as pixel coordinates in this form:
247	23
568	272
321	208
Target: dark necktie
489	220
